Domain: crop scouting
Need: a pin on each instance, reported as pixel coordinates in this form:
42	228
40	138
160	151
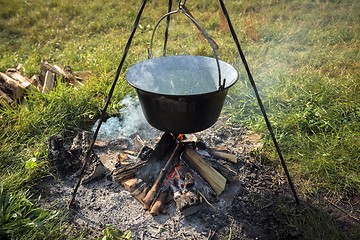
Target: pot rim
181	95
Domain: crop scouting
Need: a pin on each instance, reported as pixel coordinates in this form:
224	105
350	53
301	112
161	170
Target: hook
181	3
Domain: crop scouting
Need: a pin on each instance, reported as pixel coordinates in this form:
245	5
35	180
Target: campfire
178	94
175	170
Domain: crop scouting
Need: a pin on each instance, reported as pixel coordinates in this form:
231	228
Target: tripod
182	7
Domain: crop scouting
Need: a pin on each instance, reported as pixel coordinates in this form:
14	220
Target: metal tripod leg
242	56
103	113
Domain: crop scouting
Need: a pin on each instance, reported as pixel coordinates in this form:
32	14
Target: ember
173	170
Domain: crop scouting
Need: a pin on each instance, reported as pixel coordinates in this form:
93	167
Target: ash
245	208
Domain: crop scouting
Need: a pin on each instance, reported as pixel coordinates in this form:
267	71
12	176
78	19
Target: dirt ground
248	209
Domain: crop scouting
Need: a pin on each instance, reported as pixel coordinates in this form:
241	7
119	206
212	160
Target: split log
125	172
155	189
16	75
158	206
49	82
139	191
6	98
37	82
65	73
130	184
157	159
222	155
18	88
229	174
213	177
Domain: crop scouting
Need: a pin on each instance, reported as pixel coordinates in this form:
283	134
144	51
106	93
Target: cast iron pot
181	94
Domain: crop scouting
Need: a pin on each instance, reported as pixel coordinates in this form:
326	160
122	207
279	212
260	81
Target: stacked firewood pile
14	85
178	169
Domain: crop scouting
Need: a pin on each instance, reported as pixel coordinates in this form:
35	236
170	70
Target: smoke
131	121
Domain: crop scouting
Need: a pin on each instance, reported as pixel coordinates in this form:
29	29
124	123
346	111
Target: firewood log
18	88
157	159
16	75
158	206
222	155
213	177
155	188
36	82
5	97
49	82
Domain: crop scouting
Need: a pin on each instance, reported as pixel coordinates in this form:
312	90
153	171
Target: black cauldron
181	94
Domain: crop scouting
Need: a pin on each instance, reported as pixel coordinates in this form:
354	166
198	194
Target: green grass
304	57
21	219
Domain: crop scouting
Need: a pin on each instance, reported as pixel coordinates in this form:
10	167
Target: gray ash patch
246	206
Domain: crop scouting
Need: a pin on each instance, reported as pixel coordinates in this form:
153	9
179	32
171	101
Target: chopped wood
65	73
213	177
18	90
125	172
5	97
16	75
122	157
36	81
229	174
140	191
49	82
130	152
222	155
155	188
130	183
158	158
158	206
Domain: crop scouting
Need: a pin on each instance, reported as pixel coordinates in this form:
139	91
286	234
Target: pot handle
183	8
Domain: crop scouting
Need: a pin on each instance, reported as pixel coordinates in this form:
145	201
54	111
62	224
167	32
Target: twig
202	195
347	213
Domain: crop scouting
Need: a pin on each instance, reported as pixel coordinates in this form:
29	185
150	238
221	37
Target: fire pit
175	166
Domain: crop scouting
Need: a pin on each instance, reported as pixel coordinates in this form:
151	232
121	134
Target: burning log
158	206
158	159
154	191
126	172
213	177
139	191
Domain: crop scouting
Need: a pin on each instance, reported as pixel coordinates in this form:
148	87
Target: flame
180	137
